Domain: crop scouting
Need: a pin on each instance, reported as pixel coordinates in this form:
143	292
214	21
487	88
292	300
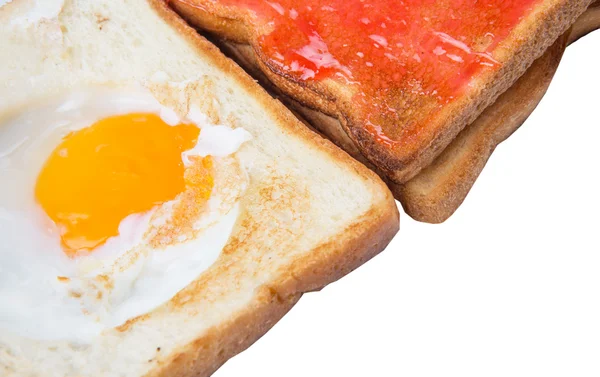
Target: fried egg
109	205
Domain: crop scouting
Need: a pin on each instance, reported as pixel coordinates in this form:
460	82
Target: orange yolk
119	166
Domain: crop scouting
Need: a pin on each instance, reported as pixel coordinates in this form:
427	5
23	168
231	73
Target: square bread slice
406	121
438	190
310	215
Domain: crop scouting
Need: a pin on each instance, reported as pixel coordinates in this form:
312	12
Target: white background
510	285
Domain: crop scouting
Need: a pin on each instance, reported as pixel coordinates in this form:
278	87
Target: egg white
34	301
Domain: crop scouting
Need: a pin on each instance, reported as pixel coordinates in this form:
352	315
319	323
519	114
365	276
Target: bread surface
437	191
310	215
528	40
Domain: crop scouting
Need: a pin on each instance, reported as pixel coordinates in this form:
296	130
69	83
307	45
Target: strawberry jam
403	60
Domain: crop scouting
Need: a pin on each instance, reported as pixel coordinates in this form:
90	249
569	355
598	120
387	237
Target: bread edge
207	353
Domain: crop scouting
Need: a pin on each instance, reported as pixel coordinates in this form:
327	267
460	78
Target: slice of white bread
310	215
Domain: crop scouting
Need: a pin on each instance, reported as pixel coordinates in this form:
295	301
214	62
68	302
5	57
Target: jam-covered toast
437	191
402	79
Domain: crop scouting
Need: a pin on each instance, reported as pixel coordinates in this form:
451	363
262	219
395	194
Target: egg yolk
101	174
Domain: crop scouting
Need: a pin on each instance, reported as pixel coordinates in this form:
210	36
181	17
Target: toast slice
437	191
401	86
309	215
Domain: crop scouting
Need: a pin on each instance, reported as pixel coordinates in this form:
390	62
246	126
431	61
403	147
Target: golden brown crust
205	355
360	241
527	43
327	263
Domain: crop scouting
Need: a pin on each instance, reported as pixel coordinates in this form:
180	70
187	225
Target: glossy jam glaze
403	60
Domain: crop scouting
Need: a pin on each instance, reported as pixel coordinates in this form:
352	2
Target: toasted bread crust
356	245
329	261
526	44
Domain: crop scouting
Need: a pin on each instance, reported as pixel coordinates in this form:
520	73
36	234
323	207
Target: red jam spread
403	60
